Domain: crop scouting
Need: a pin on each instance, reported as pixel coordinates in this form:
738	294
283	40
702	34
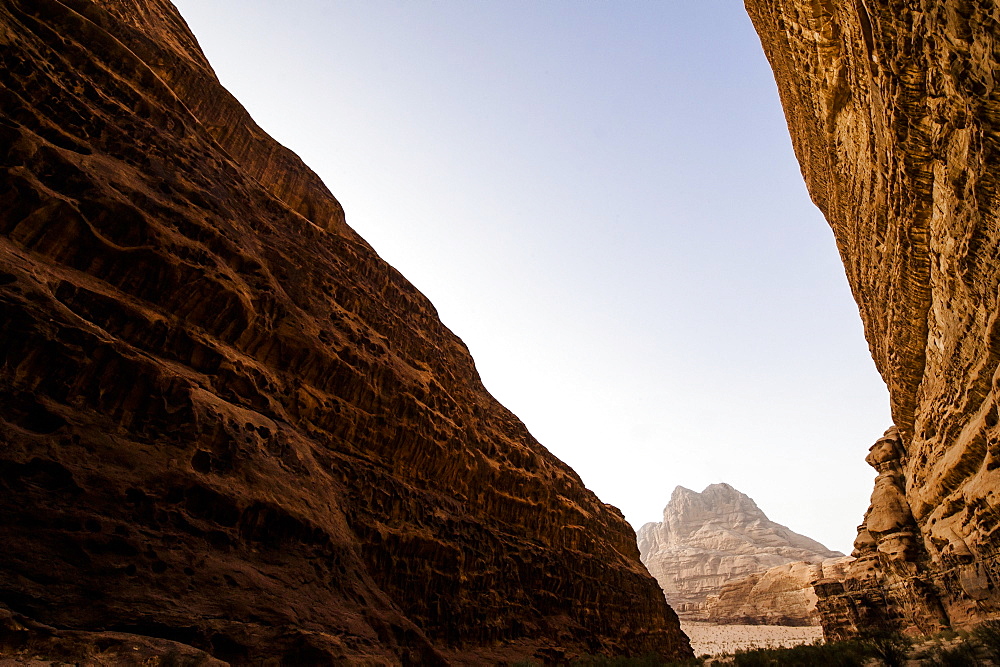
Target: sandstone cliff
782	595
709	539
894	112
228	427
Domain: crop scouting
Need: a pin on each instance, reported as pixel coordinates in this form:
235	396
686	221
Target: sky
601	199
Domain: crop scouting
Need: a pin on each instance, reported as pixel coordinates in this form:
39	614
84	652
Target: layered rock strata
894	112
228	427
710	539
782	595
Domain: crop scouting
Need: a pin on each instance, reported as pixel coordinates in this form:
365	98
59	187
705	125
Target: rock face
228	425
709	539
894	112
782	595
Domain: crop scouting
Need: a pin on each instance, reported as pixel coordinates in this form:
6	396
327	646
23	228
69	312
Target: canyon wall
710	539
228	427
782	595
894	113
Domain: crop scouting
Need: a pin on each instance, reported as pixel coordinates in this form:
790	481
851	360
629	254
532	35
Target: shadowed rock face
894	113
226	423
709	539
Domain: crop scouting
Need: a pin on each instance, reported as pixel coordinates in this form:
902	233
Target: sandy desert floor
718	639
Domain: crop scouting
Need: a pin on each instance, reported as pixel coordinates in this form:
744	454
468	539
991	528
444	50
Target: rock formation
782	595
894	113
709	539
228	427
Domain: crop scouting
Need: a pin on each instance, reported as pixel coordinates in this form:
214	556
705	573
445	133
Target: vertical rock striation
894	113
710	539
227	425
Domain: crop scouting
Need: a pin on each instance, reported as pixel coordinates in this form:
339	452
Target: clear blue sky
601	199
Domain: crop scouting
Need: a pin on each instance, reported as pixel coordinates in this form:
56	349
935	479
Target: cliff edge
230	429
894	113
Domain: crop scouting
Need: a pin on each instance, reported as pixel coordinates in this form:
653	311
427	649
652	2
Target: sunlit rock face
894	113
782	595
228	427
709	539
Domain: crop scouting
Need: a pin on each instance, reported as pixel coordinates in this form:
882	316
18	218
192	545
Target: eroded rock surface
710	539
782	595
894	112
228	424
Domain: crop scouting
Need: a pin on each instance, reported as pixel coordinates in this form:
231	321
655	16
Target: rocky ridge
229	428
894	112
711	539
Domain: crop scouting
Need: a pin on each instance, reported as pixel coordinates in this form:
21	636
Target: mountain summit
711	538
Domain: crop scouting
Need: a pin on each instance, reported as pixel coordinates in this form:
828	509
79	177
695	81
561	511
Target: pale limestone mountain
715	537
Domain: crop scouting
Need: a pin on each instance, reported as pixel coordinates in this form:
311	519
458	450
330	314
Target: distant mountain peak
709	538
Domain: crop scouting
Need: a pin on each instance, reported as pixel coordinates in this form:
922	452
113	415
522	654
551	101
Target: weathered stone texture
782	595
894	113
710	539
226	422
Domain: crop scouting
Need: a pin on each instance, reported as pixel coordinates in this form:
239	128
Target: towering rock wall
894	113
226	425
709	539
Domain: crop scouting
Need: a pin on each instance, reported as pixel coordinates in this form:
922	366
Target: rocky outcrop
782	595
710	539
894	112
227	426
